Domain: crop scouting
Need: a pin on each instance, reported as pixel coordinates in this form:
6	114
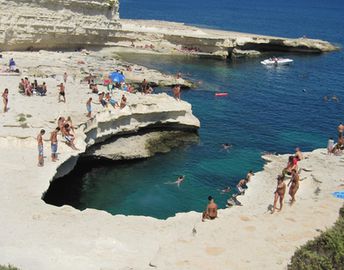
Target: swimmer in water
226	146
226	189
179	180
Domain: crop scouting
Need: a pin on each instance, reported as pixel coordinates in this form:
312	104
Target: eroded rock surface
48	24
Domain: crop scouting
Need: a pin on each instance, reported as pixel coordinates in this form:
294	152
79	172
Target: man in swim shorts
53	140
211	211
40	148
62	92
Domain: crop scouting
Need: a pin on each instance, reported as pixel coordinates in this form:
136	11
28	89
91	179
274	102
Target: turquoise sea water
268	109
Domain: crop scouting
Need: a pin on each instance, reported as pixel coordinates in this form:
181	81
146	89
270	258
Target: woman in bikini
5	99
295	182
70	123
279	193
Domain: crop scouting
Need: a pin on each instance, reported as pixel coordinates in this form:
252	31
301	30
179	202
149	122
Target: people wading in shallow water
211	211
40	148
294	181
279	193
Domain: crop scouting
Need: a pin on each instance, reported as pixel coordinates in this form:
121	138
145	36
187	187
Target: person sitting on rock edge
211	211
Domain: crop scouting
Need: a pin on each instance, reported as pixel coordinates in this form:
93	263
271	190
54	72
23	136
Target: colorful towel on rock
339	194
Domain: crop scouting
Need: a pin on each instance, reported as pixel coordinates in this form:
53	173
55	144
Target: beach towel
338	194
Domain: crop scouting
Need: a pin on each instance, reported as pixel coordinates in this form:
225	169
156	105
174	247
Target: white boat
277	61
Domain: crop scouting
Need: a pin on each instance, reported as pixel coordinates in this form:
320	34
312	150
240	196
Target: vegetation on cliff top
325	252
9	267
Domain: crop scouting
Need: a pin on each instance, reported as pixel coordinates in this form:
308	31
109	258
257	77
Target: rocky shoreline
36	235
57	238
96	24
181	39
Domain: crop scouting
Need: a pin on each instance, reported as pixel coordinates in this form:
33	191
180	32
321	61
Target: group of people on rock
190	49
65	126
291	171
336	148
30	88
146	88
211	210
67	130
106	99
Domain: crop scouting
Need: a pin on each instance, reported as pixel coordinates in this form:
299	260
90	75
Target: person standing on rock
5	99
40	148
176	92
295	182
123	102
65	77
62	92
298	154
279	193
53	140
340	129
89	107
144	86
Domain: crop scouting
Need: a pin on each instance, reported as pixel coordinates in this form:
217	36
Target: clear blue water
268	109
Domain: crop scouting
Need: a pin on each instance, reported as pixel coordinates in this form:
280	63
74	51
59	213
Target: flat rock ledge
177	38
34	25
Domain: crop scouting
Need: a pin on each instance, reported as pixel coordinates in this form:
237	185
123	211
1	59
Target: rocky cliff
71	24
56	23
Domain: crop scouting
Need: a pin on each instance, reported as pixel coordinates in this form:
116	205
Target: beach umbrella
117	77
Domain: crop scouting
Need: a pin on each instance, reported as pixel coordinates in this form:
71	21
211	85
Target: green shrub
21	117
9	267
325	252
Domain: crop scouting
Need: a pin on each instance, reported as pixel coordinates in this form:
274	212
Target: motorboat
277	61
